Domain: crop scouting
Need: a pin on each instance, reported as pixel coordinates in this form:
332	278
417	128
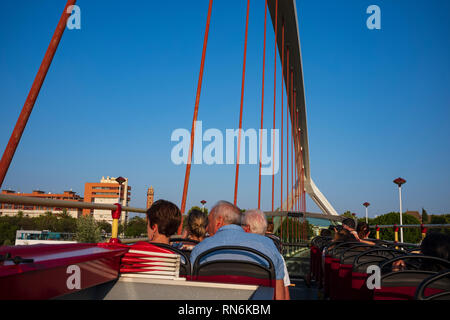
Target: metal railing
116	209
423	228
412	226
299	214
10	199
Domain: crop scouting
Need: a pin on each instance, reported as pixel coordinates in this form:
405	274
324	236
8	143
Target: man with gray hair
224	228
255	221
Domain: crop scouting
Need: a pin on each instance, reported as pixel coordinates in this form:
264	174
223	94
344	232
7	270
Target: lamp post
366	204
120	180
399	182
203	205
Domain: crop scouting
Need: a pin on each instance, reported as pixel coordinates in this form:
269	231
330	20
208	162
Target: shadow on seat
234	271
435	287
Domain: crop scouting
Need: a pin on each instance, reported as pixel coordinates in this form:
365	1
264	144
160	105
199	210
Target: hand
355	234
398	265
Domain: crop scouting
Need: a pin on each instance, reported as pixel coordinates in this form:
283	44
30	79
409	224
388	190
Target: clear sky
377	100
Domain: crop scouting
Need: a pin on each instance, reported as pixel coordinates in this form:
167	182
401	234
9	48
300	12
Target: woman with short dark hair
163	220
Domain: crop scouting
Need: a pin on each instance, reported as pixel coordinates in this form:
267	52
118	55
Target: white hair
256	220
228	211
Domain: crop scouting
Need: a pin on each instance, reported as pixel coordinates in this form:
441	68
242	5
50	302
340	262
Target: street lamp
366	204
120	180
399	182
203	205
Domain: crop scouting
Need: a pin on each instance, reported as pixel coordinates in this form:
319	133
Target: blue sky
377	100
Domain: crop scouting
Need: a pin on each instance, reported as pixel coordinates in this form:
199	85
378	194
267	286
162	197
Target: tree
47	221
8	228
121	228
197	208
104	226
348	214
87	230
66	224
425	217
410	235
440	219
136	227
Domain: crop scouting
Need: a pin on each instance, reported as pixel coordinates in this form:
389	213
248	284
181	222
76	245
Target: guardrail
299	214
5	198
116	209
423	228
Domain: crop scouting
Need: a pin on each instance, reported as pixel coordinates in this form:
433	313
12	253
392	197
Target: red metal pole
262	107
33	94
242	107
197	102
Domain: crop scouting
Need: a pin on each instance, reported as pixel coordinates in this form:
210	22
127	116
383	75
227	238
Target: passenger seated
255	221
271	235
197	221
363	232
326	233
224	228
435	244
350	225
336	230
163	220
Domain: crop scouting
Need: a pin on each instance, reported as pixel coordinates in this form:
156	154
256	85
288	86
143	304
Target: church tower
150	196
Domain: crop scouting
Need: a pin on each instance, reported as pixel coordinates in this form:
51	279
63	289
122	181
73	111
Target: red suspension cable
296	150
27	108
197	102
287	130
262	106
274	103
292	140
242	106
282	112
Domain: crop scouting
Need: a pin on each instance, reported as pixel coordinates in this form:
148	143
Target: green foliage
347	214
8	228
104	226
410	235
55	223
440	219
7	243
425	217
87	230
136	227
197	208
